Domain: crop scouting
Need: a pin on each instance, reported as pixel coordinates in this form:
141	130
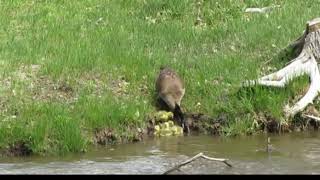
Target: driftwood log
306	62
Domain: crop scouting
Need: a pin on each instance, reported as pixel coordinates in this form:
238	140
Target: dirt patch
107	136
27	82
302	122
201	123
18	149
150	126
270	124
96	82
311	123
119	87
44	89
104	136
137	134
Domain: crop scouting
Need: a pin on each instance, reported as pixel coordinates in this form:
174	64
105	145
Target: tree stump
307	46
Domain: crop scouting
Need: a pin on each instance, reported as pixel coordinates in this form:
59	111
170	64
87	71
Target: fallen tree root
312	117
200	155
305	63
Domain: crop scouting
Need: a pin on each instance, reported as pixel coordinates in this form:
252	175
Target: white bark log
313	117
305	63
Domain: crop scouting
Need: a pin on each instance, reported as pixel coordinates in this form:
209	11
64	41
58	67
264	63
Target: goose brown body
170	89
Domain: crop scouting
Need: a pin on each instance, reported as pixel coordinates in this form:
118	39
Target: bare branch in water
200	155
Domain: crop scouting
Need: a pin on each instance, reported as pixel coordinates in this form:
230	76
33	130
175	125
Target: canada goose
170	89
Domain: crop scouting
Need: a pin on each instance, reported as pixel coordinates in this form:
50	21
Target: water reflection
296	153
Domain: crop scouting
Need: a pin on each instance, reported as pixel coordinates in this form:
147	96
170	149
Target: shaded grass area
70	68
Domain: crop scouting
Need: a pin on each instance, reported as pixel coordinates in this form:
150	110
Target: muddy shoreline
200	124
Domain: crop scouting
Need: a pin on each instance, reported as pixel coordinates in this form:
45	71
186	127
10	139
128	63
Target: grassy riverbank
71	68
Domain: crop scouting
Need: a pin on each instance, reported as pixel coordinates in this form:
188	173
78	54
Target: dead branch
261	10
200	155
312	117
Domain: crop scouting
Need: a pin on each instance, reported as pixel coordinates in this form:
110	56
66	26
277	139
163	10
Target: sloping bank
44	116
58	134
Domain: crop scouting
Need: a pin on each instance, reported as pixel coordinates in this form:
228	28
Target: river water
295	153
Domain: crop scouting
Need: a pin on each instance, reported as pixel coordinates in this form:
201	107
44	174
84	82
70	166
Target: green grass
92	46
